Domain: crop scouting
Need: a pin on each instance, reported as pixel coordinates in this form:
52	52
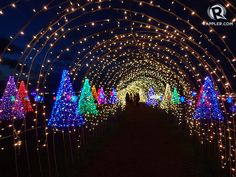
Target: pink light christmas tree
101	96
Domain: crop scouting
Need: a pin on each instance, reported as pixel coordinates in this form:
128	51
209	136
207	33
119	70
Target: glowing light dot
45	7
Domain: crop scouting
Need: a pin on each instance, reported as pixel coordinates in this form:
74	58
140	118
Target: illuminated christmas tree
94	92
233	108
11	106
86	101
64	112
208	106
152	101
175	97
166	100
23	95
101	96
113	97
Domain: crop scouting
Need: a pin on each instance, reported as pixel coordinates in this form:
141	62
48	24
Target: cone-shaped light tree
86	101
166	101
23	95
94	92
11	106
64	112
208	106
175	97
101	96
113	97
152	101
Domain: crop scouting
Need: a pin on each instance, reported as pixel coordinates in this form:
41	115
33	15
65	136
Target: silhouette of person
137	99
127	98
131	98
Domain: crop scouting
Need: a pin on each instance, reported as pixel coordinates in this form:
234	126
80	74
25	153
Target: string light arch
122	40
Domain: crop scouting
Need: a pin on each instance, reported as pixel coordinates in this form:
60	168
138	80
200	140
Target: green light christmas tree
86	101
175	97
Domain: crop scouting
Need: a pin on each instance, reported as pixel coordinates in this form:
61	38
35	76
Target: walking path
146	144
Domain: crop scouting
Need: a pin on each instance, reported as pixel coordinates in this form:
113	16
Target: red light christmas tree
23	95
11	106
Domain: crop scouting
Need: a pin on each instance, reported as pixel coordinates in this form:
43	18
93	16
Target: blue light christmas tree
113	97
64	112
152	101
233	108
208	106
182	99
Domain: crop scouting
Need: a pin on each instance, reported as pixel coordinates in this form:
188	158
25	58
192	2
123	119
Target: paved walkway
145	144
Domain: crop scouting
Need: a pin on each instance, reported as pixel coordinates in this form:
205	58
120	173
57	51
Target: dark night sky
15	18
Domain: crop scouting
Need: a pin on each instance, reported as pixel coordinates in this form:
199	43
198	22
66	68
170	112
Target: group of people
132	98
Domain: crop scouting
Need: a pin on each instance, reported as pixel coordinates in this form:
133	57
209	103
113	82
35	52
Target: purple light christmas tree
11	106
208	105
152	101
64	113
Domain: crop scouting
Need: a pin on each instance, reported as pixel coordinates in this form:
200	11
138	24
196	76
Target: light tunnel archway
123	43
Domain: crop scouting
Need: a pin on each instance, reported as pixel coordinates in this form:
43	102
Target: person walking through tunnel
137	99
127	98
131	98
